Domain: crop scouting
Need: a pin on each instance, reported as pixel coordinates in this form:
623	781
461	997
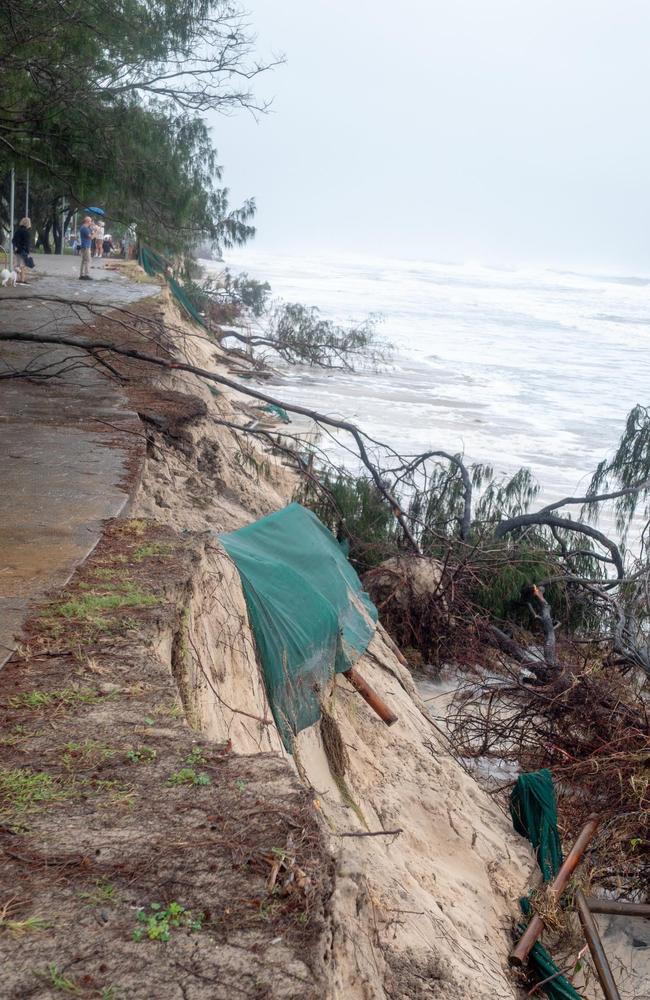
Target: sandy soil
421	910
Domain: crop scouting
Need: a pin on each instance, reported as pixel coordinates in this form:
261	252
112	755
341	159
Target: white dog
8	277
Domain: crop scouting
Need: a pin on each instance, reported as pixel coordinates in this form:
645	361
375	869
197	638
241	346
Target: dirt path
69	454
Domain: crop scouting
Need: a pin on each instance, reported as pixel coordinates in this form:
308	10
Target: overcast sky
511	131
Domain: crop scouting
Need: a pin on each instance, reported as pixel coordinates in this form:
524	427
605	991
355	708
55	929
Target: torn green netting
306	607
154	263
279	411
534	815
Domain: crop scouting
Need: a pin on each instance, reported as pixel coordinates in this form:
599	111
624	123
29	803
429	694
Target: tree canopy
103	101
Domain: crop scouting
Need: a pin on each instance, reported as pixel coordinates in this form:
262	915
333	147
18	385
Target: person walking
86	239
21	245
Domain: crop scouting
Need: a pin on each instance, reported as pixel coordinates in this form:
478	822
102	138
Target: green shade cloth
534	815
306	607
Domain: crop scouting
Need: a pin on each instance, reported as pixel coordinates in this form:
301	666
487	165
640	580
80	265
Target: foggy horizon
502	136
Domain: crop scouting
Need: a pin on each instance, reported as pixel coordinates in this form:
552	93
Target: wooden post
519	954
376	703
596	948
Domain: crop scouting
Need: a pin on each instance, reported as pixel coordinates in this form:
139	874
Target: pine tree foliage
103	101
627	472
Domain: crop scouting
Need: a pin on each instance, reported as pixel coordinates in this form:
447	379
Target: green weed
19	927
141	755
188	776
135	526
89	607
18	735
24	791
157	925
103	894
45	699
196	756
153	549
88	752
58	981
105	573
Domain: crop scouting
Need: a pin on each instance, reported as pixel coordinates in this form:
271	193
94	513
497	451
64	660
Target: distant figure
107	246
99	239
21	245
86	239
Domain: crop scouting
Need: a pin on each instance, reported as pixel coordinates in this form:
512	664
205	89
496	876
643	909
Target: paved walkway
68	454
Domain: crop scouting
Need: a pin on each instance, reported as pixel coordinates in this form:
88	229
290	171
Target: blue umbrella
95	210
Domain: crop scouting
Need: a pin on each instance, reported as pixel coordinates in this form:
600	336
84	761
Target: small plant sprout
60	982
188	776
160	921
103	894
141	755
240	784
196	756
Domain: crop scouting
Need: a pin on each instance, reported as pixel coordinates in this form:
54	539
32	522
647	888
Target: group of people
93	241
101	242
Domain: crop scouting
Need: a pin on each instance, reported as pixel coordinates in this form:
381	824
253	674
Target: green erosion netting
279	411
307	609
154	263
534	815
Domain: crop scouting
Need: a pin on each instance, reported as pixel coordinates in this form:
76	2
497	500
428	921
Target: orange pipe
377	704
519	954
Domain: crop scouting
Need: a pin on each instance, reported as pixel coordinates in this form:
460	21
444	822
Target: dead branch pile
591	727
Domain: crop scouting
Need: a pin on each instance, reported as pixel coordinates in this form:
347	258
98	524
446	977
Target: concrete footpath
70	457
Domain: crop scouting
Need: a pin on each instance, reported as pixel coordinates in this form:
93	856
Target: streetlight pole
12	211
62	225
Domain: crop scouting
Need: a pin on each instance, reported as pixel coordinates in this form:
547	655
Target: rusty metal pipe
596	948
377	704
618	908
519	953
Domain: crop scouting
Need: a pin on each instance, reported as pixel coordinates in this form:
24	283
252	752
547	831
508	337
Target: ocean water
509	366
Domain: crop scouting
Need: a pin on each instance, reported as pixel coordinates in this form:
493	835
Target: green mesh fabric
154	263
543	965
534	815
278	411
306	607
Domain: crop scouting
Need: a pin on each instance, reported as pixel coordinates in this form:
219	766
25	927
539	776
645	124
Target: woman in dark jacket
21	243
